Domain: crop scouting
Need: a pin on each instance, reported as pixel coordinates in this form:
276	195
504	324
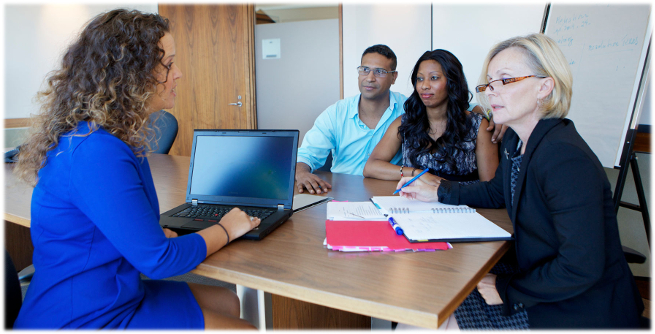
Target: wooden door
215	52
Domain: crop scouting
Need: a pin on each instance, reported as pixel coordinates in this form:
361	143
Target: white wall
404	28
469	31
35	38
294	89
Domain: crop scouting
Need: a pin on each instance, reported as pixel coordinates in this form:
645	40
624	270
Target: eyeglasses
482	88
378	72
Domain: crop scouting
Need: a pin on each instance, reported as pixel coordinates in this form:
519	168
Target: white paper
353	211
399	204
449	226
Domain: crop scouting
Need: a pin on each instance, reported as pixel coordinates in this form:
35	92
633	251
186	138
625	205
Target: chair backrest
328	163
165	131
13	294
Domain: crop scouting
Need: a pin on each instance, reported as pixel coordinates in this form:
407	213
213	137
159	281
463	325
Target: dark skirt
475	313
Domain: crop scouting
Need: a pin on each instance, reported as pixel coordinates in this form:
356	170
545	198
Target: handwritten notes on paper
353	211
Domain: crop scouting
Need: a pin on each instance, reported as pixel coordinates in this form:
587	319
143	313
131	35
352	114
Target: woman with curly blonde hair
95	213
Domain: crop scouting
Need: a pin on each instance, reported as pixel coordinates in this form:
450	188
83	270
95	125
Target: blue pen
412	180
395	226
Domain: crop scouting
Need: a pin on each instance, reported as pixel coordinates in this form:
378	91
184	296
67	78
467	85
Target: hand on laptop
237	223
234	224
313	183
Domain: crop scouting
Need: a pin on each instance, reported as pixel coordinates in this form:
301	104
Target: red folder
372	236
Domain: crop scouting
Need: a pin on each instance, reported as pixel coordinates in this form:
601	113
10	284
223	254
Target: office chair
165	126
13	294
328	163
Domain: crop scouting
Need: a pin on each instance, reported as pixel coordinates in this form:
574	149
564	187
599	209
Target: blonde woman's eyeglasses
482	88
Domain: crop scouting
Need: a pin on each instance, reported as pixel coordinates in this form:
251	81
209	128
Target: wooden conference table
309	283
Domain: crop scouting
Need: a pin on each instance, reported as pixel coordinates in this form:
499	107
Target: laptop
253	170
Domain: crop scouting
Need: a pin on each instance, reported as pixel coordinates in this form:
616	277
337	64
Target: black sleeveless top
466	165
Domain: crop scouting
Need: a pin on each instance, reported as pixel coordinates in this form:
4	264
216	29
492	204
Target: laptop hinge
280	207
194	202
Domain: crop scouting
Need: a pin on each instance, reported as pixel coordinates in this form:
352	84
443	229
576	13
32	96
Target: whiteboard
475	34
605	46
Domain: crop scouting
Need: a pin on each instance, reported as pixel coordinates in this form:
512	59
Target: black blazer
573	273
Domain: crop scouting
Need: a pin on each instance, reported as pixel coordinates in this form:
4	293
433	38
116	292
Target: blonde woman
567	268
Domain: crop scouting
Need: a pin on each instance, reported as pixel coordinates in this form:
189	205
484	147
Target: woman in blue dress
437	131
95	213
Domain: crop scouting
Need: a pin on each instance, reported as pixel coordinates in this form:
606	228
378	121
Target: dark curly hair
106	78
416	126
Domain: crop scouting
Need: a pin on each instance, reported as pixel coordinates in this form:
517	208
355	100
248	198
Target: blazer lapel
539	132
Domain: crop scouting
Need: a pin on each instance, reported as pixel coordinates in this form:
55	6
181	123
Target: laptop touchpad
195	224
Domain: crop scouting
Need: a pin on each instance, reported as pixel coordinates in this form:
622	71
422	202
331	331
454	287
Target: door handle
238	104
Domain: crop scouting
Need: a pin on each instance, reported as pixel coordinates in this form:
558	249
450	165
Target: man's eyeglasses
482	88
378	72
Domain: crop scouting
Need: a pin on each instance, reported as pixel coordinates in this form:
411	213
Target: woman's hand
237	223
169	234
498	129
487	288
418	189
430	179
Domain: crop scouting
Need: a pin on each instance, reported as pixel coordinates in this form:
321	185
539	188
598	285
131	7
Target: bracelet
413	170
401	171
487	114
227	234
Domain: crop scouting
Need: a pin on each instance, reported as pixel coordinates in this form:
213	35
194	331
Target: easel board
606	48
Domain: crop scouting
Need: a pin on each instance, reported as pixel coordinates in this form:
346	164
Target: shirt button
516	307
520	305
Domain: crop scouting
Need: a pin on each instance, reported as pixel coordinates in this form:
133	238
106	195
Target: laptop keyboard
216	212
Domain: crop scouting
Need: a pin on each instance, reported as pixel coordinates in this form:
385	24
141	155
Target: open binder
431	222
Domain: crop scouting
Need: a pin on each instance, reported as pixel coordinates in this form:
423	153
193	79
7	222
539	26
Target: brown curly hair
106	78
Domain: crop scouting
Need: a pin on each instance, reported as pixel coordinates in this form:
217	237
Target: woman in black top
437	131
567	268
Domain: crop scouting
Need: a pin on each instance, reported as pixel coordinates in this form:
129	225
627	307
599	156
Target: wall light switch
271	48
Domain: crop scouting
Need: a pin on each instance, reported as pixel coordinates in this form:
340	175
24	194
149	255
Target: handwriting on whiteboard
570	22
569	29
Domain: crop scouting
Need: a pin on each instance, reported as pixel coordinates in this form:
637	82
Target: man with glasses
351	128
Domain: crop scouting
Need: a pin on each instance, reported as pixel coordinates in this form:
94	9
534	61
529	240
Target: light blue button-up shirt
339	129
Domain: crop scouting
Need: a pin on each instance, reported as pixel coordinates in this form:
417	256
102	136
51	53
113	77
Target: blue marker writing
395	226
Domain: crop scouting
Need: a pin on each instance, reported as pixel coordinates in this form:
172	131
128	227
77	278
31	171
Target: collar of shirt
353	109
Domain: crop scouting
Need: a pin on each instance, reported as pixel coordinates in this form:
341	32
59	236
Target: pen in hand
412	180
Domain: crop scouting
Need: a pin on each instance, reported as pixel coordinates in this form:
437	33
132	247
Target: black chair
165	126
328	163
13	294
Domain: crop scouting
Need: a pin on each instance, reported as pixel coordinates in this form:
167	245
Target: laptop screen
243	166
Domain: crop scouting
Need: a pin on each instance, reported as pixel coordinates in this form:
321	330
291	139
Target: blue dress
95	227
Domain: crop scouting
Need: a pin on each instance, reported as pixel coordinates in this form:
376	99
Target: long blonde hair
106	78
